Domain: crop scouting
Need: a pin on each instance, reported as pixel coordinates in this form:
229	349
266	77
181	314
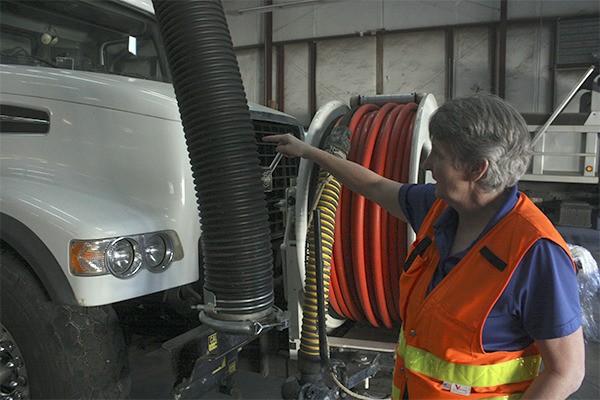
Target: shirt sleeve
416	201
546	292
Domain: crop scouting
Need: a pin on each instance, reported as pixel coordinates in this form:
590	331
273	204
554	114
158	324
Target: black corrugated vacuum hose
238	283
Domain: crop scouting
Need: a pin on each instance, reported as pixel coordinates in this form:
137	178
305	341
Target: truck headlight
158	252
123	257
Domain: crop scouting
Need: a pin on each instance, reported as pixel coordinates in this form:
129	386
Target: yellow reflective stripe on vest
423	362
515	396
395	392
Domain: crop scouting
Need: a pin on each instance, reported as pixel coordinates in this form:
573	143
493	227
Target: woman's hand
354	176
288	145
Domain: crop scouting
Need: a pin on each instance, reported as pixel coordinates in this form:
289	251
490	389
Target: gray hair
484	127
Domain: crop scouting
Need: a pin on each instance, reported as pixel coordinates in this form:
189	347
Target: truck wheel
53	351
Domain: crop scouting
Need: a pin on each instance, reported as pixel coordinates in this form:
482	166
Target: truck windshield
97	36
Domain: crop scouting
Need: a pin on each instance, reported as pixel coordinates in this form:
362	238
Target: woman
489	287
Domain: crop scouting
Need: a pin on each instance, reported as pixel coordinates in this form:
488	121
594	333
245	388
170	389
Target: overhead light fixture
272	7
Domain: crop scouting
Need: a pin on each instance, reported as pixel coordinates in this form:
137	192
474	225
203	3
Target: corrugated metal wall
447	48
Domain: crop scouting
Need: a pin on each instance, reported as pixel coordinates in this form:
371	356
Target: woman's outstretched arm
355	177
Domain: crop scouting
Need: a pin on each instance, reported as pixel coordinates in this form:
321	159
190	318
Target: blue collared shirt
541	301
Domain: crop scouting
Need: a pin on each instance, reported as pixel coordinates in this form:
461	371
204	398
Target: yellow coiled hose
328	196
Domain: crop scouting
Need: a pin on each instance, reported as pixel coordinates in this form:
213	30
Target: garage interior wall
332	50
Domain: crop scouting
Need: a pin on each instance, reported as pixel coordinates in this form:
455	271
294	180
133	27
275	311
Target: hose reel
370	245
359	245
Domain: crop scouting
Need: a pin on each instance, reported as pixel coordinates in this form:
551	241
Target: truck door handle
15	119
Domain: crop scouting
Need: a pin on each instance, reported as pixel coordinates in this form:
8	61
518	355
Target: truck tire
56	351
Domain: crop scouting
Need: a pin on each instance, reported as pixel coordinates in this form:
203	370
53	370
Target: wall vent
577	42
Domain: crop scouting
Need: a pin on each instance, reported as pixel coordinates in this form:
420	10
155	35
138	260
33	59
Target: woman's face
452	183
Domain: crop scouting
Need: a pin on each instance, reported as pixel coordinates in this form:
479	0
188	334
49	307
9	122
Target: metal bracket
267	174
275	319
281	322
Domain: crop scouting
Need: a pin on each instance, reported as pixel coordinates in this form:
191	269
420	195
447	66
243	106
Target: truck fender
38	256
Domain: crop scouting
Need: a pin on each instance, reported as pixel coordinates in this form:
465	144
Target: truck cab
99	219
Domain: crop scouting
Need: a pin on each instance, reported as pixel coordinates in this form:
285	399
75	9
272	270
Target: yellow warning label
232	367
223	364
212	342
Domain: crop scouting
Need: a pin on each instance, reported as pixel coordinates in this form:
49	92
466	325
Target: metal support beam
312	78
492	56
552	89
379	63
449	35
268	55
280	85
502	49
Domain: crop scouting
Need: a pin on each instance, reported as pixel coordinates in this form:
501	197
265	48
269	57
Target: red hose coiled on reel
370	244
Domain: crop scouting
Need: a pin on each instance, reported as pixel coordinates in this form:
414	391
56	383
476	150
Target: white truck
100	238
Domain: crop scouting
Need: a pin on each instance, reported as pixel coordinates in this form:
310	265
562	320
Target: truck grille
283	174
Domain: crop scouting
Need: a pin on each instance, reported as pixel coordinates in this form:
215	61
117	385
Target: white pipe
564	103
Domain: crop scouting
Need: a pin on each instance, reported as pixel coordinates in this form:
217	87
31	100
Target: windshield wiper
19	54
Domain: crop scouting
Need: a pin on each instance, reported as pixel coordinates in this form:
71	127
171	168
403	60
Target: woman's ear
479	171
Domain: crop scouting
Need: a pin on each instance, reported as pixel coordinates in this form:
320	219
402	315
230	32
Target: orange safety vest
440	353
